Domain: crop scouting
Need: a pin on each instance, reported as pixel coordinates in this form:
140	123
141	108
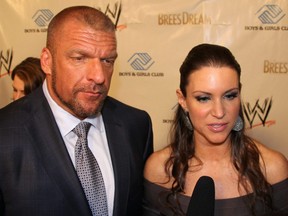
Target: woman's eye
202	98
231	96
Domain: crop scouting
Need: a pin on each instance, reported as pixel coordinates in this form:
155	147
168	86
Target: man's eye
108	61
78	58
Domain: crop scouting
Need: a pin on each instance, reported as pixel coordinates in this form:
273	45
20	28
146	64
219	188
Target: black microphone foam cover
203	198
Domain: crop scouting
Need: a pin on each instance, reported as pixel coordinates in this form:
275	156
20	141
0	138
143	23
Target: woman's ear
46	61
181	99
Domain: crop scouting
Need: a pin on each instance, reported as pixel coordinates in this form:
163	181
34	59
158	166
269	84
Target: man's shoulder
116	110
116	105
16	108
20	110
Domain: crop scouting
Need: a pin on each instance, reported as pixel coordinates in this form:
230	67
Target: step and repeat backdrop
153	39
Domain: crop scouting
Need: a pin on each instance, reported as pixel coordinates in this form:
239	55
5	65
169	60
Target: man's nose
95	71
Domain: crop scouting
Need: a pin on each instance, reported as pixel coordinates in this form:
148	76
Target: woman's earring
188	122
238	125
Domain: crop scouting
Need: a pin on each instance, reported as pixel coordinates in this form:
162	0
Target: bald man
38	173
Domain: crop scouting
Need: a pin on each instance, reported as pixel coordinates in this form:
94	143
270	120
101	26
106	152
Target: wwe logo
6	61
270	14
42	17
114	14
141	61
261	111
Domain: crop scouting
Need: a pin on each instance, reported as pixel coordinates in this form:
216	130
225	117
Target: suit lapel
119	155
49	144
52	150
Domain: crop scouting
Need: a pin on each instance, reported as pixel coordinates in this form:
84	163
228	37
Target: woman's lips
217	127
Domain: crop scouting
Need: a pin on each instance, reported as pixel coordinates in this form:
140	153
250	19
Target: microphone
203	198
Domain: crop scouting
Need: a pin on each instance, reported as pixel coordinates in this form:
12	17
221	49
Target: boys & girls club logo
6	58
270	17
270	14
140	65
42	17
141	61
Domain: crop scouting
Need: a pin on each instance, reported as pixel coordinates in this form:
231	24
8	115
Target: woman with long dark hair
208	139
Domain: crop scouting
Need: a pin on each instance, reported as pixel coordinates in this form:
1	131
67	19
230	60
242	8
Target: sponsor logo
272	67
257	114
184	18
42	17
269	16
141	64
113	11
5	62
141	61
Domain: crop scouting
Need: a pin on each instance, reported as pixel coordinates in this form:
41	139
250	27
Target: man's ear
46	61
181	99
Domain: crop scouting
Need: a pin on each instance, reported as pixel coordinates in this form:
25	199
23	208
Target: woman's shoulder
154	170
275	163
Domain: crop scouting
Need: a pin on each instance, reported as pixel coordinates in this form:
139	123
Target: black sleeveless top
155	200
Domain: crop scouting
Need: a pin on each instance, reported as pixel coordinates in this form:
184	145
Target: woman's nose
218	109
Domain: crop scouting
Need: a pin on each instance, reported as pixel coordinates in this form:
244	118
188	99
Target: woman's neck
209	152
